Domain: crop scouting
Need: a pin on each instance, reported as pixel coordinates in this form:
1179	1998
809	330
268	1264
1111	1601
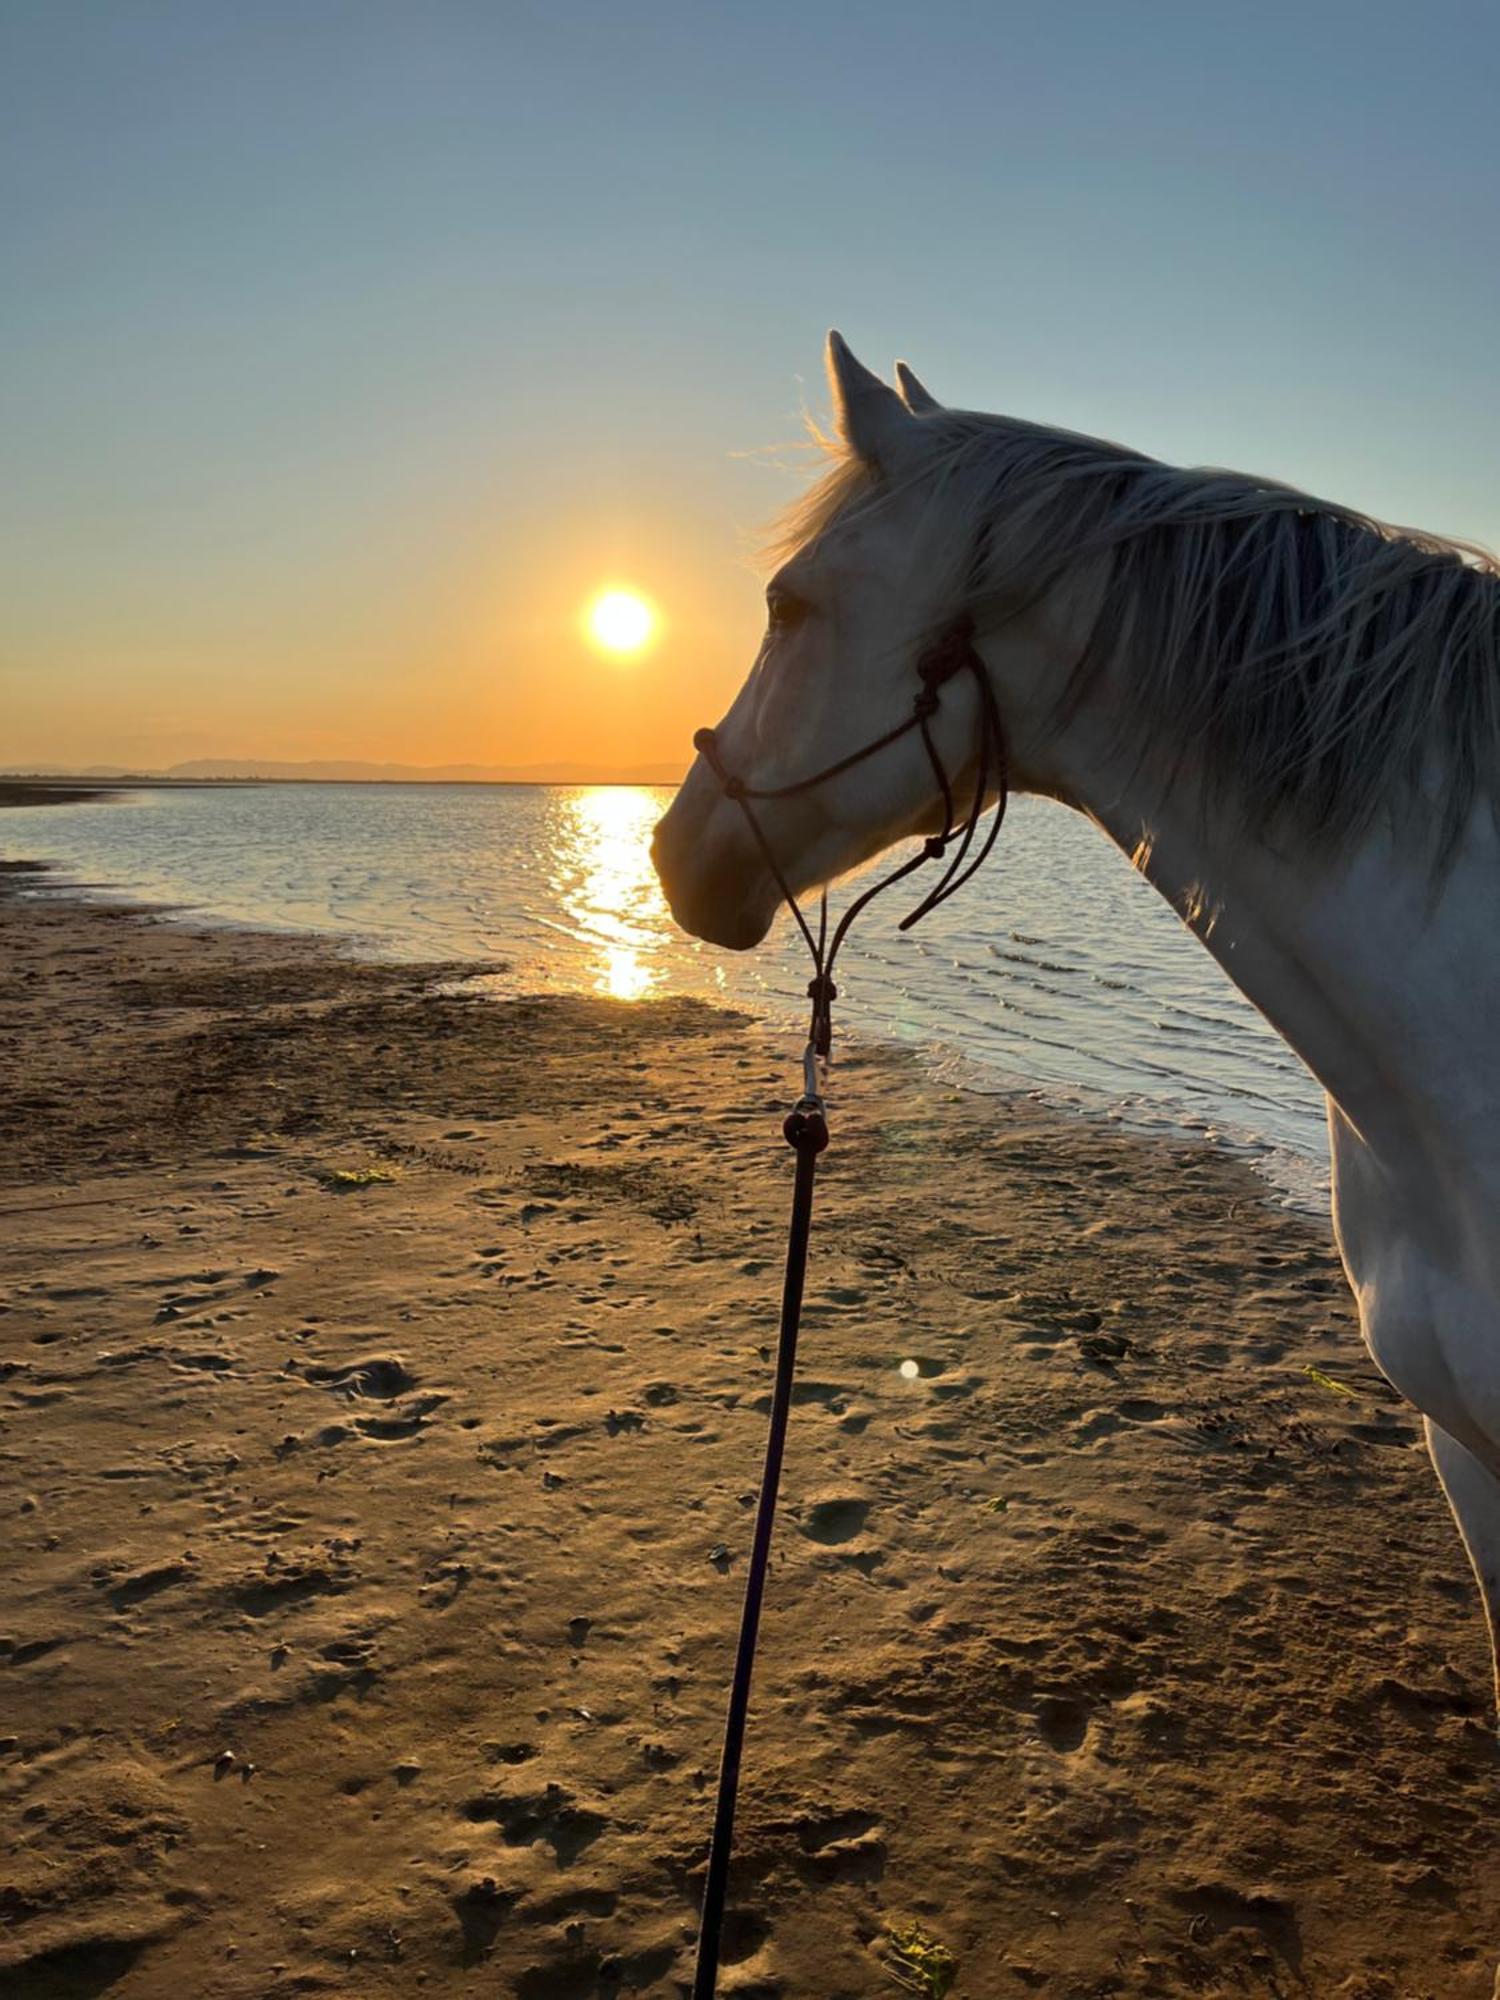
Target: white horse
1288	714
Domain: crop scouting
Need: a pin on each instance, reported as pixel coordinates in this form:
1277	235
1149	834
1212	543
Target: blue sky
347	344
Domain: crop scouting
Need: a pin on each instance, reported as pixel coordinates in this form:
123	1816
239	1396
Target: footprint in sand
838	1518
511	1753
134	1588
834	1397
208	1362
745	1933
1063	1722
481	1909
404	1422
281	1581
577	1972
551	1815
1131	1414
840	1847
383	1376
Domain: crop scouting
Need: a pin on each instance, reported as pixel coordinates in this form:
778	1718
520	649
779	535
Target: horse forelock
1313	664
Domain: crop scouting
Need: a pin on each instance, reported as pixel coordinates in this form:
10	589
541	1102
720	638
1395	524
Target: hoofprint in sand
384	1385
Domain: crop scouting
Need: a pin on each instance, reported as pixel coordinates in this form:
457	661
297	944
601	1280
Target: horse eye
784	611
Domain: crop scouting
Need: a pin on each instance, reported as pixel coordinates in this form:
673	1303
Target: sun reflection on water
608	888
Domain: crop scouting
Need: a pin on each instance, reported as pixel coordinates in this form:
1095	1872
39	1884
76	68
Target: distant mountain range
351	771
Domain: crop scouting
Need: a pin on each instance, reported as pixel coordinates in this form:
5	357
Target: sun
621	621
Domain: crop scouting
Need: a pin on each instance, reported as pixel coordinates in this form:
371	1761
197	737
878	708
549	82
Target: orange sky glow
474	652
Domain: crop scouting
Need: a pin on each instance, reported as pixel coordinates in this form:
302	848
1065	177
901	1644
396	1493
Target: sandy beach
384	1377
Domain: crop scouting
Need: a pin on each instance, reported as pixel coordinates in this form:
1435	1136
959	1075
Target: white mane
1310	660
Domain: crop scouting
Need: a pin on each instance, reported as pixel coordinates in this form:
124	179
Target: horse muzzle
716	884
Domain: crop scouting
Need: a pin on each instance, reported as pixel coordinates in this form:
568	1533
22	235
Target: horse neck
1379	979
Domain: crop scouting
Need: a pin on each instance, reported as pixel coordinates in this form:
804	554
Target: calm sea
1057	969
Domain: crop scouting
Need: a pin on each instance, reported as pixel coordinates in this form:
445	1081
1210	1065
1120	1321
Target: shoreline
1291	1178
384	1377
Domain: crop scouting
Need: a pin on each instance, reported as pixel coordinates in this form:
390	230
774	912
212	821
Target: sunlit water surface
1058	968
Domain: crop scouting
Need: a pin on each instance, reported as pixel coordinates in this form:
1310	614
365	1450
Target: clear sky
349	346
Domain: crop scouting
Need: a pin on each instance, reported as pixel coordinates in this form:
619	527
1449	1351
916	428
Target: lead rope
806	1132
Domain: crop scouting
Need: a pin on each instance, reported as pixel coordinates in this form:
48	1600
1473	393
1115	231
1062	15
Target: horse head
885	555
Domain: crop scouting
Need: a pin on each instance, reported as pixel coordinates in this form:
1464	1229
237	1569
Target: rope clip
806	1125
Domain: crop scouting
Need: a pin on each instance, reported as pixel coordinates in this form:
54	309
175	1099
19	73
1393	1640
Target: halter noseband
950	654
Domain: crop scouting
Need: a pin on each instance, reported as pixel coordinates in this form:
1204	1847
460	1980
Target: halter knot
822	988
947	655
934	847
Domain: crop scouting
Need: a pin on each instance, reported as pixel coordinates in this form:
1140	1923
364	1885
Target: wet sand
383	1373
47	792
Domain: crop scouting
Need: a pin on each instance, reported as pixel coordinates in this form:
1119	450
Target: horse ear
918	400
872	418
